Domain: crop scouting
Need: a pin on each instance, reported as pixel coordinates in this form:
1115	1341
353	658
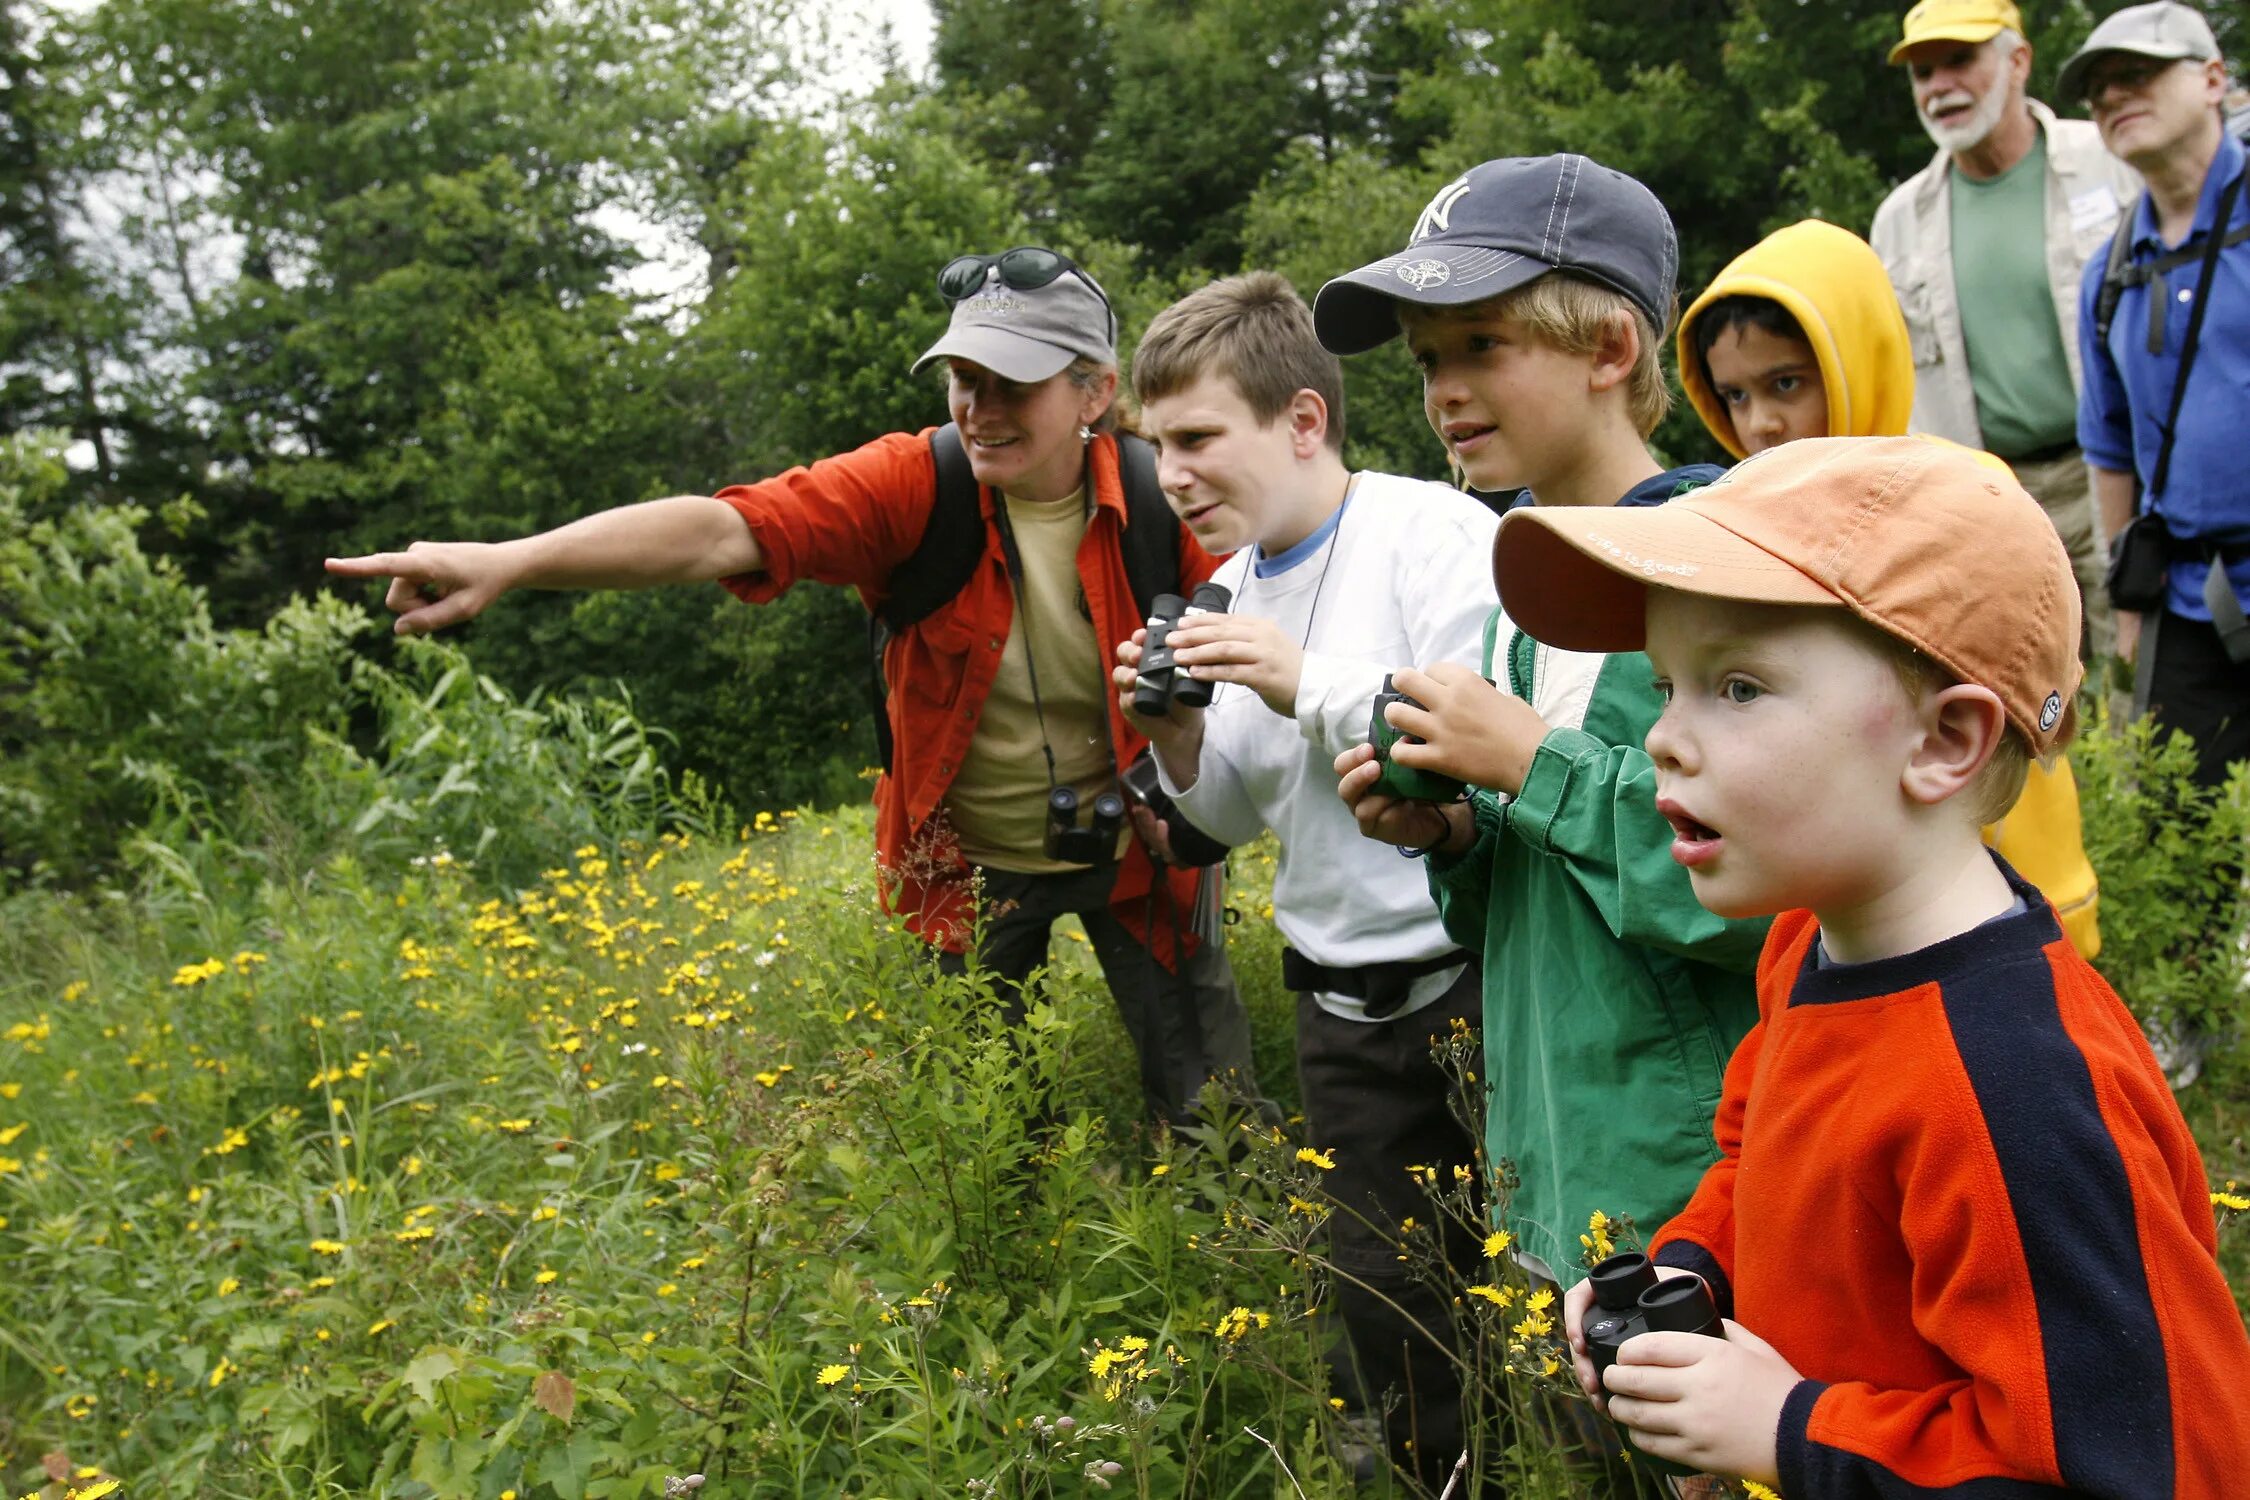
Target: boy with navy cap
1534	294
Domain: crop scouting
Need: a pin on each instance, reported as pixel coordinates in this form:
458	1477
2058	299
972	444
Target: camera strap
1014	563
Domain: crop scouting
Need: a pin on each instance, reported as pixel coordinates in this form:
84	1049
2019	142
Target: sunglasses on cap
1025	269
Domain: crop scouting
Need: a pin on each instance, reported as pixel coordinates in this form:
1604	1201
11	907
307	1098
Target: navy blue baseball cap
1505	223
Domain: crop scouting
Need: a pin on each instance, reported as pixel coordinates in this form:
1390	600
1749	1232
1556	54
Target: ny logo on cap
1438	217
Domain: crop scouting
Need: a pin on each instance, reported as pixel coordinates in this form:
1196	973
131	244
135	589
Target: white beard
1970	133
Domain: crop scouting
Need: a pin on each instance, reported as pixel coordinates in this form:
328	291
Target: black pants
1377	1102
2193	687
1186	1027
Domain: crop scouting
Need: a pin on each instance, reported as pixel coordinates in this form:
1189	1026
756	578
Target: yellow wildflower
220	1371
327	1247
229	1287
1312	1158
545	1276
1496	1244
379	1325
832	1375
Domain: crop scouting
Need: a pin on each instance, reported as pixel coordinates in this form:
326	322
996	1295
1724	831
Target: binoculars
1629	1300
1161	683
1094	844
1398	780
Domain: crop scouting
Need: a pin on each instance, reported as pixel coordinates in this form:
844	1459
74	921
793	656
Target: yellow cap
1957	21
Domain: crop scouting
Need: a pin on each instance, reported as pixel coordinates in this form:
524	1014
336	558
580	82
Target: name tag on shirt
2094	209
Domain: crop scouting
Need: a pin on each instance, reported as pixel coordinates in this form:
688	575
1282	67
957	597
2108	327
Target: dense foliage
347	272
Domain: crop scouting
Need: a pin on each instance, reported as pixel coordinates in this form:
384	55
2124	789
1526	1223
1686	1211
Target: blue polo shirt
2127	391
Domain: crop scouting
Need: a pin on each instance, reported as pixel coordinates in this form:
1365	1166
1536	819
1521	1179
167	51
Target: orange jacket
853	518
1954	1191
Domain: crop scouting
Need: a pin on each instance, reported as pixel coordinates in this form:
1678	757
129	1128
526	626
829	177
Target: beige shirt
2086	190
998	802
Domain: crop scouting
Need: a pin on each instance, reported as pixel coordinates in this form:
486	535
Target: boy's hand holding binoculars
1468	728
1248	649
1440	827
1708	1399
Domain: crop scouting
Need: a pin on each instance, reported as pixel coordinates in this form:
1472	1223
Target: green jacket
1612	1000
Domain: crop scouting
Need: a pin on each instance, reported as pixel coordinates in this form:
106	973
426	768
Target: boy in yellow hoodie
1801	336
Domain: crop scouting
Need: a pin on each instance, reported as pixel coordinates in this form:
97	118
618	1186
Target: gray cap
2163	30
1500	225
1028	335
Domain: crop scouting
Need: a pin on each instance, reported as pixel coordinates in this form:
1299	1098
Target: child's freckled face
1770	386
1779	754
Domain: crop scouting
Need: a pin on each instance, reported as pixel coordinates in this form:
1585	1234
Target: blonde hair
1575	315
1253	330
2001	779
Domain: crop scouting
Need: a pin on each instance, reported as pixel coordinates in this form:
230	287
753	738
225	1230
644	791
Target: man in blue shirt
2155	84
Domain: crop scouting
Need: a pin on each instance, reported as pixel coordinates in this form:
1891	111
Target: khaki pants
2064	488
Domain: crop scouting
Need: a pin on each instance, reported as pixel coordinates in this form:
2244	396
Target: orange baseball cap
1956	21
1925	540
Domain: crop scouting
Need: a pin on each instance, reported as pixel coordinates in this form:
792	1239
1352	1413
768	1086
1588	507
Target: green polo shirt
2017	367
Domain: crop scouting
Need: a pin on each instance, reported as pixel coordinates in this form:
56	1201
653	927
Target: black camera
1161	683
1398	780
1630	1300
1192	848
1094	844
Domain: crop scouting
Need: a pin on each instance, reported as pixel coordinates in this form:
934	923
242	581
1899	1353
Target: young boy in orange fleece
1962	1224
1801	336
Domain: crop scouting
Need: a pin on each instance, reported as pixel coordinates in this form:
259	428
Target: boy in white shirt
1337	578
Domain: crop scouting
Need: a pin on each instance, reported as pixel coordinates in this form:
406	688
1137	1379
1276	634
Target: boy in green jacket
1534	295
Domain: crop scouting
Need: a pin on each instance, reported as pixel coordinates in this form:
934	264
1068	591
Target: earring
1085	434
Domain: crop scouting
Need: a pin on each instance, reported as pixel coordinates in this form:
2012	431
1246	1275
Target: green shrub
2170	859
137	735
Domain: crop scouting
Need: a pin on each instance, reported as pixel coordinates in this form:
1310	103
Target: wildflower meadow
408	1089
677	1161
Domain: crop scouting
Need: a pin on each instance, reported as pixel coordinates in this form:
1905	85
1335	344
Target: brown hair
1083	373
1256	332
1573	314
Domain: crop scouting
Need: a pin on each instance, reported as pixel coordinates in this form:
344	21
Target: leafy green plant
2169	856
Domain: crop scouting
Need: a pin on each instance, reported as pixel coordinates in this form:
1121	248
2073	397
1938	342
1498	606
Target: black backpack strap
1151	540
945	559
940	565
2117	271
2122	272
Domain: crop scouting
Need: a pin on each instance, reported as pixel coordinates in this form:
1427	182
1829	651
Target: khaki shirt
2087	189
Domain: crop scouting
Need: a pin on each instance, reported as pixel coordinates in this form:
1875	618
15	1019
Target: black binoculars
1629	1300
1398	780
1094	844
1161	683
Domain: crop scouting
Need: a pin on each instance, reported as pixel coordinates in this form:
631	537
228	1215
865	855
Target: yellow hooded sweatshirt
1831	282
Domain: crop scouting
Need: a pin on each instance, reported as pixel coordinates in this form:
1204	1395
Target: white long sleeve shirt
1404	579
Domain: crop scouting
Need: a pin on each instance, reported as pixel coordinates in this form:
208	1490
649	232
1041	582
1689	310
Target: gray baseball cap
2162	30
1505	223
1028	335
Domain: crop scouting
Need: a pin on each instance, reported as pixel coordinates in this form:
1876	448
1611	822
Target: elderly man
2164	334
2162	426
1986	246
